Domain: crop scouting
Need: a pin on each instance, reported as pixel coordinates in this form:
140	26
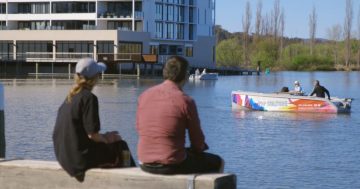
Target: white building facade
62	31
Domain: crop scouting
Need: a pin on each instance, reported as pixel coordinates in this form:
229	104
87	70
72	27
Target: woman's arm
108	137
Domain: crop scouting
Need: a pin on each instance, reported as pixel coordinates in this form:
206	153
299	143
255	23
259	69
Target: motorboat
204	76
288	102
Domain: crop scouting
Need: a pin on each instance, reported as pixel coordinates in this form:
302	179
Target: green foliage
266	52
311	63
229	53
295	55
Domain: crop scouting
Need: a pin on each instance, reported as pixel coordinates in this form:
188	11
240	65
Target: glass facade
105	47
73	7
33	25
31	49
2	25
121	9
33	8
170	50
129	48
2	8
6	50
170	19
73	25
189	51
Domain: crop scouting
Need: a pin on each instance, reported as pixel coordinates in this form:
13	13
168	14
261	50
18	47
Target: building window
170	50
6	50
189	51
169	30
119	25
191	32
33	25
130	48
159	30
2	25
122	9
74	49
191	14
2	8
73	25
105	47
33	8
154	49
159	11
73	7
33	49
179	31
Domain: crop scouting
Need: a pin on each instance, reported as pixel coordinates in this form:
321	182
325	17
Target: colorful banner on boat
281	103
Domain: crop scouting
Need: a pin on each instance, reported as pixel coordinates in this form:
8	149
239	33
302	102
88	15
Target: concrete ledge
21	174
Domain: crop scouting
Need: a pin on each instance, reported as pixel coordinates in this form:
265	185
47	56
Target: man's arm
327	92
196	135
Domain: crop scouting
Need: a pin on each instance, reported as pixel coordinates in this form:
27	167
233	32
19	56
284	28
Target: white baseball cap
89	68
296	83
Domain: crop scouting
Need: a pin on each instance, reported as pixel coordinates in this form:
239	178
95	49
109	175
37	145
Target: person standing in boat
77	142
162	130
320	90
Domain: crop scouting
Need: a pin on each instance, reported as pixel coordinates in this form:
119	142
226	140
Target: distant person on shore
320	90
162	130
78	144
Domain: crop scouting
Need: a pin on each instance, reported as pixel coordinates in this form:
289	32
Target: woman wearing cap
78	144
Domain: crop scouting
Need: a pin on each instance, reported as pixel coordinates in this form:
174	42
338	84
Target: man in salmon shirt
164	114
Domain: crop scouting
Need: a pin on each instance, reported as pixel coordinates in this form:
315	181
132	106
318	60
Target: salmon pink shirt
164	114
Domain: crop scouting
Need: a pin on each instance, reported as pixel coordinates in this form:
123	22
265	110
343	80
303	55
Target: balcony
122	15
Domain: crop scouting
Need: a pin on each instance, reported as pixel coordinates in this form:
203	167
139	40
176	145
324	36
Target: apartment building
59	32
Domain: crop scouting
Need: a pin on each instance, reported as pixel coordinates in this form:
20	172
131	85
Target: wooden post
2	123
69	68
138	70
36	70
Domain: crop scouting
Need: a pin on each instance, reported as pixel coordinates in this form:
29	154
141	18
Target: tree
258	19
347	31
334	34
229	53
246	21
282	28
275	19
312	29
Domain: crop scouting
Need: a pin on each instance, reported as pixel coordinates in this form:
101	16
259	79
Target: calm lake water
264	149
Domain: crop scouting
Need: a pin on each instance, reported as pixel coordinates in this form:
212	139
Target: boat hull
206	76
288	103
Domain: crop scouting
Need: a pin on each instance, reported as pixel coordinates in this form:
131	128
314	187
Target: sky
229	15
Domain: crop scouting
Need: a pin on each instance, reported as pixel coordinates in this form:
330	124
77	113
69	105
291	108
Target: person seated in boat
197	72
284	90
320	90
204	71
297	89
162	131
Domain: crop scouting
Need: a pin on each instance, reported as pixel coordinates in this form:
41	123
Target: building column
95	51
69	68
133	15
36	70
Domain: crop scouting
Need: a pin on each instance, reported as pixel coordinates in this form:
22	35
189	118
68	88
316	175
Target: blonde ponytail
80	84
